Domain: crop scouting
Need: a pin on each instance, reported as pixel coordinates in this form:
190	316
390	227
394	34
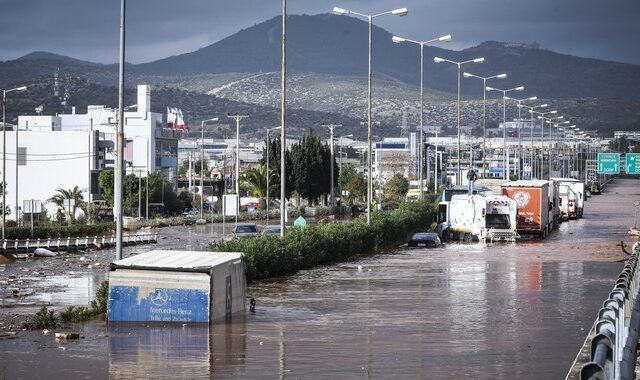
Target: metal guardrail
613	349
74	243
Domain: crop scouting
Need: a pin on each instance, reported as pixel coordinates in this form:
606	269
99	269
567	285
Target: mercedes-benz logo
159	297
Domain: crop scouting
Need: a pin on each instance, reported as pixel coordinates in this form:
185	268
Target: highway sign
608	163
632	163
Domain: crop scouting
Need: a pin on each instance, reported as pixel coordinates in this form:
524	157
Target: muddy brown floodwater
501	311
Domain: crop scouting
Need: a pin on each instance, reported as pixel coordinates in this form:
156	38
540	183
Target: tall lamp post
458	64
397	39
396	12
551	122
505	159
484	114
531	110
541	116
519	101
268	174
4	155
237	118
118	177
340	165
332	188
283	111
201	220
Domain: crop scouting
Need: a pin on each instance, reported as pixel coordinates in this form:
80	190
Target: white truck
555	216
477	218
577	187
568	202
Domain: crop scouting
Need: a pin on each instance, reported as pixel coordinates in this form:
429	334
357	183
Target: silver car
245	230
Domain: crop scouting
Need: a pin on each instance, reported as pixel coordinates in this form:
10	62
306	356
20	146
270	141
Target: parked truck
554	204
532	199
577	187
473	217
568	202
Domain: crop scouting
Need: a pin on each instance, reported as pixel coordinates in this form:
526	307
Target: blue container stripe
161	305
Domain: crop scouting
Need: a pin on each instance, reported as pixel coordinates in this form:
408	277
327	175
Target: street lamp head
400	12
340	11
446	38
397	39
554	111
478	60
521	88
438	60
490	88
560	117
21	88
467	75
543	105
501	76
533	98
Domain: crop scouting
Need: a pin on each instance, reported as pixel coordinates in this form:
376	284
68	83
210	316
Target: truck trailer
477	218
532	199
577	187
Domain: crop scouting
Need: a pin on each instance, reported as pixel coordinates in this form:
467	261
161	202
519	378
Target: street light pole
283	104
237	118
519	101
397	39
118	177
541	116
484	114
332	188
505	158
458	64
397	12
202	165
4	156
340	167
268	174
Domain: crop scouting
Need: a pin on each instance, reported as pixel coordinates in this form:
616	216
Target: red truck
532	198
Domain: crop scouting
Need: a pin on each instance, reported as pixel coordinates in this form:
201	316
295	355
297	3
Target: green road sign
608	163
632	163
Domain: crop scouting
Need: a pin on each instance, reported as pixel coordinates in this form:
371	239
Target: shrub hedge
324	243
55	231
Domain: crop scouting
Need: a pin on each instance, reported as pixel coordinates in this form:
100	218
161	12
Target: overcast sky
88	29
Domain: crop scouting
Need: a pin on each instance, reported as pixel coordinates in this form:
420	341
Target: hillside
327	68
195	106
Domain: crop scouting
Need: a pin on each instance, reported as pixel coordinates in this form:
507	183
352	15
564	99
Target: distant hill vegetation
327	61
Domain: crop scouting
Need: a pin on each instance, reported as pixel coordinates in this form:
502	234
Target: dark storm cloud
88	29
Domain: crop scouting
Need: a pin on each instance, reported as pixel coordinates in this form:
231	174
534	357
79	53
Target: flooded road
503	311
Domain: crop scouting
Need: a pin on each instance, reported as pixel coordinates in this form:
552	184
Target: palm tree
62	197
256	181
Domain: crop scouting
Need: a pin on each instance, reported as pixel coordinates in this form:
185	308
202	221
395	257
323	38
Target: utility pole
118	180
237	118
331	190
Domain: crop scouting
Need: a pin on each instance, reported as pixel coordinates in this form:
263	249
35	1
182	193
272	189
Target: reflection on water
499	311
180	351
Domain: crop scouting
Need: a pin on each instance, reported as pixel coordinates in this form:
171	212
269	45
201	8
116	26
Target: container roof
179	260
526	183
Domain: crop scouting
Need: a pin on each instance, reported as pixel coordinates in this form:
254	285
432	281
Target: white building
70	150
48	160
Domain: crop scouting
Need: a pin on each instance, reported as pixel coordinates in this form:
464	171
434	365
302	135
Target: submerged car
245	230
425	239
271	230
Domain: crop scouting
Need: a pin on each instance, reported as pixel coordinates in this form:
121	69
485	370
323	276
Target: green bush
325	243
55	231
43	319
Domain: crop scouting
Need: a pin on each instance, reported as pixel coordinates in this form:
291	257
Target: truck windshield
499	221
442	213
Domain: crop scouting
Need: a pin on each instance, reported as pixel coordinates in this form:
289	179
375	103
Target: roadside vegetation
326	243
49	319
